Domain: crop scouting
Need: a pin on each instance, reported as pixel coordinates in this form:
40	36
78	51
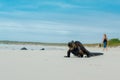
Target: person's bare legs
105	49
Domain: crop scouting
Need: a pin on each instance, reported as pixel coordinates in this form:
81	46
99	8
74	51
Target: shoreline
47	47
111	43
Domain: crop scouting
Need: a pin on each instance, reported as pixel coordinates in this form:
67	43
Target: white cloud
63	32
63	5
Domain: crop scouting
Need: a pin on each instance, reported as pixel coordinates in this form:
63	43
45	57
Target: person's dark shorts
105	44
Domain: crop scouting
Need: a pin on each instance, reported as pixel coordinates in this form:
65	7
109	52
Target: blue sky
59	20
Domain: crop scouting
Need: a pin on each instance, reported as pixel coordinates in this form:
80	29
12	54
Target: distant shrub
114	42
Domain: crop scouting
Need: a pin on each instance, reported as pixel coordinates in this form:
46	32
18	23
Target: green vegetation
114	42
111	43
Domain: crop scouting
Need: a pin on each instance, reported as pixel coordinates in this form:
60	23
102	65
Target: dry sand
50	64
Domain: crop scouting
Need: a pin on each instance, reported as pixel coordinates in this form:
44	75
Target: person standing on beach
105	42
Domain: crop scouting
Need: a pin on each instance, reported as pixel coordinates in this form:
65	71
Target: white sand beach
50	64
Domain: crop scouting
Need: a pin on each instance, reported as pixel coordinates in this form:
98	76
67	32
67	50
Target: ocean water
30	47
